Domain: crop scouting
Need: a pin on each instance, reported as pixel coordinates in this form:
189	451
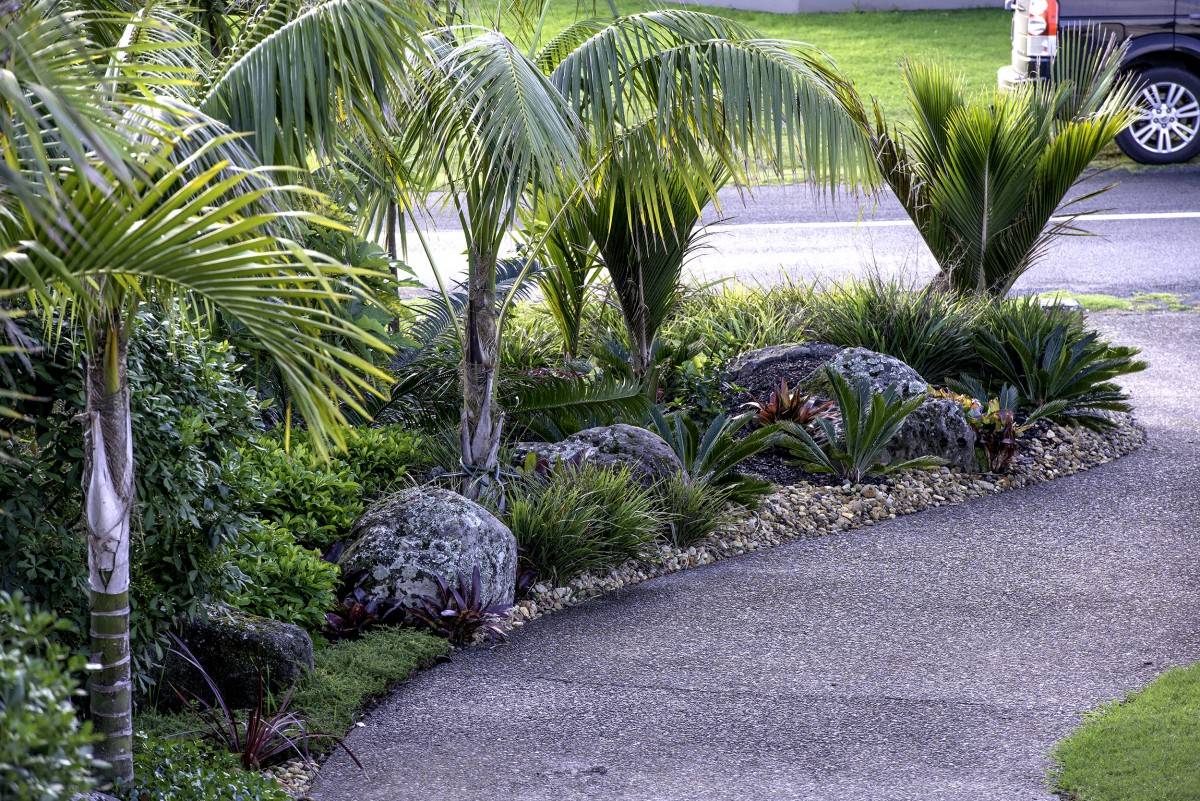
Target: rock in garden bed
757	373
404	542
236	649
645	453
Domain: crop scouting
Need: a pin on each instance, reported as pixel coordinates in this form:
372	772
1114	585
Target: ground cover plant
1142	748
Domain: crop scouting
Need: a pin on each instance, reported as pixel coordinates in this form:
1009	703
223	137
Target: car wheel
1168	130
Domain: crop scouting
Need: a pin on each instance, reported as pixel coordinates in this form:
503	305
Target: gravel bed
807	510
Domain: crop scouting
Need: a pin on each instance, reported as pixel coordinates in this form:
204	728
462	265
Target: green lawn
1145	748
868	46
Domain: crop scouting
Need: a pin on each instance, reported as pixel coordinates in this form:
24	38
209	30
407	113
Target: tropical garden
236	427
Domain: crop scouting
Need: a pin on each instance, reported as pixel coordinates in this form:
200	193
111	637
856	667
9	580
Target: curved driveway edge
936	656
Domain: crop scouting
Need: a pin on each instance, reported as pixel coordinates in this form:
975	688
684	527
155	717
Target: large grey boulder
760	371
938	427
406	541
881	372
237	650
647	455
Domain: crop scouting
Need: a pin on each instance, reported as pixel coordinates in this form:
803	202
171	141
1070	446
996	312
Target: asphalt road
1146	239
935	657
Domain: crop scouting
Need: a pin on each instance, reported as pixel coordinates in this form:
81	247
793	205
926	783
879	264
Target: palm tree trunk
108	496
481	418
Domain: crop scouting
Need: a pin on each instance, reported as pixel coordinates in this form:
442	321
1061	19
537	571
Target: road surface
1147	238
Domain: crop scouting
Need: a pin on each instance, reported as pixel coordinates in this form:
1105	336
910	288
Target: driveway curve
933	657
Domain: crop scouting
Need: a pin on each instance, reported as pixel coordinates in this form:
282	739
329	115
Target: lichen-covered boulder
758	372
237	649
881	372
404	542
938	427
647	455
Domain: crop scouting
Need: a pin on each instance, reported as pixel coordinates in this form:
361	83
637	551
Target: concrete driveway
937	657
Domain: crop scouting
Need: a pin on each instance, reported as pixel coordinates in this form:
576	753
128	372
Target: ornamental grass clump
585	519
855	448
928	329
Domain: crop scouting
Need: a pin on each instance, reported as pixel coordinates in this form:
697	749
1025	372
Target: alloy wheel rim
1170	118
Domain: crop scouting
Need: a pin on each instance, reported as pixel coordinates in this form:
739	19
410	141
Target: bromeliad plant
791	406
261	737
458	611
854	448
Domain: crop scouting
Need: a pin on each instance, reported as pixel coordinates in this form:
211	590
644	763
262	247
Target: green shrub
348	674
1059	369
190	414
928	329
284	580
578	520
186	770
317	501
45	754
853	449
692	509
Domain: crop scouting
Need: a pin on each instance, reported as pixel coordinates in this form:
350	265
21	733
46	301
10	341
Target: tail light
1043	17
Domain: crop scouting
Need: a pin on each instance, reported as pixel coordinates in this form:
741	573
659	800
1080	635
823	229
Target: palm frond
191	239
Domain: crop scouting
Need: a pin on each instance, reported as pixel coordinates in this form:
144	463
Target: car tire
1169	130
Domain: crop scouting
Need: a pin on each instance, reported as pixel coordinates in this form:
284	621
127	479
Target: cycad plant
711	456
1058	369
983	178
853	445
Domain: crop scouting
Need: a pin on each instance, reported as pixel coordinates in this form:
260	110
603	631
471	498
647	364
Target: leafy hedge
45	754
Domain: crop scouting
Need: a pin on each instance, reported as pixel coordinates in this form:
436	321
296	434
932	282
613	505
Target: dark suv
1164	52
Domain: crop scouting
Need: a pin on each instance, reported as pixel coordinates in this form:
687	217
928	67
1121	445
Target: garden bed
806	510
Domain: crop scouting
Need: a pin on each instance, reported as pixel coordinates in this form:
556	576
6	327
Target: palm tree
983	179
116	191
705	101
490	125
169	238
676	92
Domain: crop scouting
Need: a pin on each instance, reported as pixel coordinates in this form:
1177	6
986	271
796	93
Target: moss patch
1144	748
352	673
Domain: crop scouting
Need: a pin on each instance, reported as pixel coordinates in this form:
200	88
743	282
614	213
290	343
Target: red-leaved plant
263	737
